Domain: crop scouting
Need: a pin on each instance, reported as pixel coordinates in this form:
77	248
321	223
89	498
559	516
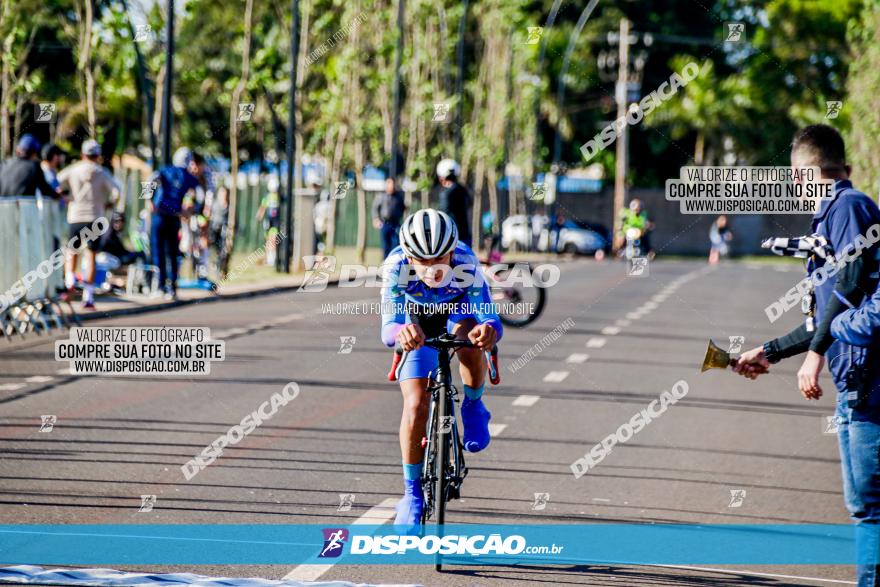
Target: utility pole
291	144
620	94
167	115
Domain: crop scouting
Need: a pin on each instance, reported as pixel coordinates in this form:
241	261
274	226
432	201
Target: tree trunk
479	173
5	139
233	131
337	163
84	65
699	148
362	202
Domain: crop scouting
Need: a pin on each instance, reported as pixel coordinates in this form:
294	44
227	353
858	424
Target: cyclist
635	216
429	247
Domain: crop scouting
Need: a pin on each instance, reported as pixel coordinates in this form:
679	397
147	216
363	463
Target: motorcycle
633	243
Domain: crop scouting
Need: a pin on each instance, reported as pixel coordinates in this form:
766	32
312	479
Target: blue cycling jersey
464	294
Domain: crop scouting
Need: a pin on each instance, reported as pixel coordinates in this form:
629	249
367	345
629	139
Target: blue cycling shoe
409	508
475	418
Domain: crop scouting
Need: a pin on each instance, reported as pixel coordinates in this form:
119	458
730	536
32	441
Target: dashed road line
496	429
596	343
577	358
39	379
611	330
526	400
555	376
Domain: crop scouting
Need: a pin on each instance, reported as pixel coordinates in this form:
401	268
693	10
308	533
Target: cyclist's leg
413	377
472	366
413	419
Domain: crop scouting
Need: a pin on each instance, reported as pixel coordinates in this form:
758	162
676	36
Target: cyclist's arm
393	299
478	294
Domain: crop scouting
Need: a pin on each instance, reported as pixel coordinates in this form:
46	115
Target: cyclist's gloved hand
411	337
484	336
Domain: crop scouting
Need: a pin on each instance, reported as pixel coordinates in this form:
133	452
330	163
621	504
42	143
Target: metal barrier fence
32	231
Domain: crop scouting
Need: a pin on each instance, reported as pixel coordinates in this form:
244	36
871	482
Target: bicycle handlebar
447	341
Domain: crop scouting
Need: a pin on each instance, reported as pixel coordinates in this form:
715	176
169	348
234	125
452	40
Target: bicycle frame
443	441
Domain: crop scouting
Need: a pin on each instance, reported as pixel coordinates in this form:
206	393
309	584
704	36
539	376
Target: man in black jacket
388	210
455	199
22	175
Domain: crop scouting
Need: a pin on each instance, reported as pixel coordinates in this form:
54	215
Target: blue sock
412	472
473	393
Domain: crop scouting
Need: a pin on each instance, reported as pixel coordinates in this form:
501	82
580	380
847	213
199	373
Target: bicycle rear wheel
518	304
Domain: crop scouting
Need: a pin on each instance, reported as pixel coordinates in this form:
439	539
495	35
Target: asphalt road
117	438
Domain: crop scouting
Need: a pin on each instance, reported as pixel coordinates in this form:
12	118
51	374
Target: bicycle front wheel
444	438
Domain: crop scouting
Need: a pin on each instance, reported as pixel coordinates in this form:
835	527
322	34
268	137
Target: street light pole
291	146
167	115
560	92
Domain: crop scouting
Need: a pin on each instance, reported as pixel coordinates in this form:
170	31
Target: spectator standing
174	183
53	160
852	358
719	237
388	210
455	199
22	175
93	192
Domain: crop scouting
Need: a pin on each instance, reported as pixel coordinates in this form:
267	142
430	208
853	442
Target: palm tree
706	105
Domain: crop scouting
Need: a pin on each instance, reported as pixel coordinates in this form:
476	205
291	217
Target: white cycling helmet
428	234
448	167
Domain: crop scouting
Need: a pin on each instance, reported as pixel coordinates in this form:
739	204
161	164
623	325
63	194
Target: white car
575	237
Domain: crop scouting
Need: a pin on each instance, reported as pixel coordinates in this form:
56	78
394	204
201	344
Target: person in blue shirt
859	326
843	221
172	183
432	267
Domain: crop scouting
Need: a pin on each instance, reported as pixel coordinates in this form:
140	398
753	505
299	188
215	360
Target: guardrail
32	232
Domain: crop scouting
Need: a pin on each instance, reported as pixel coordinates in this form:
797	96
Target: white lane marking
555	376
39	379
754	573
622	323
65	371
577	358
10	386
648	306
526	400
288	318
496	429
596	343
602	499
659	298
634	315
376	515
611	330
